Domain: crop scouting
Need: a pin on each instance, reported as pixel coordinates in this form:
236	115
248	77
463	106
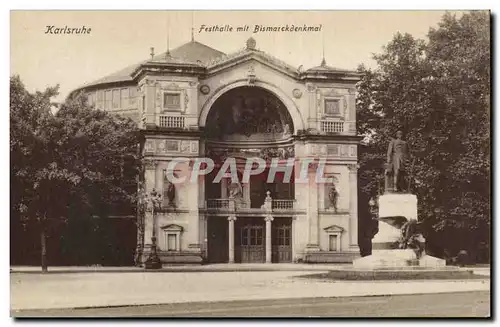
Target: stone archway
287	102
249	113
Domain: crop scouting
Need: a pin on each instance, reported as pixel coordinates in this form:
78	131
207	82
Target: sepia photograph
250	164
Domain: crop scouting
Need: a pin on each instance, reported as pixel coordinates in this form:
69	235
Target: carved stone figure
333	196
235	190
171	195
397	163
412	238
286	130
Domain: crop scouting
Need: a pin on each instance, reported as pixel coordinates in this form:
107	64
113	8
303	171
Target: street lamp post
153	261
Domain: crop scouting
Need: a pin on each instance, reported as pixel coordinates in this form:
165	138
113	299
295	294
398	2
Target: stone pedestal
397	204
392	207
389	230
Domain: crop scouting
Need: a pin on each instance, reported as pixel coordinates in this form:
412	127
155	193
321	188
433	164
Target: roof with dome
196	54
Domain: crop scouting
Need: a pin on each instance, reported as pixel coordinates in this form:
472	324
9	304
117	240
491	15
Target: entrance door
218	242
251	238
281	240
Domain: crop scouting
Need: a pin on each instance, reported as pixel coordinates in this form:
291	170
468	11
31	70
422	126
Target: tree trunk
43	243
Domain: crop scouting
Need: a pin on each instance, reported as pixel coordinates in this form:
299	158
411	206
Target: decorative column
353	207
268	207
231	220
268	220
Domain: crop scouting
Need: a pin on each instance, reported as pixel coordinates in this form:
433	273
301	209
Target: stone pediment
172	228
334	229
248	55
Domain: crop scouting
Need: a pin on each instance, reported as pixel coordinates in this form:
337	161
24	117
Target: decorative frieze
265	153
185	146
333	150
149	146
172	145
354	151
344	150
159	146
194	147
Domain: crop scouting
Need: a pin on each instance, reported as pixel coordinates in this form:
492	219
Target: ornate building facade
195	101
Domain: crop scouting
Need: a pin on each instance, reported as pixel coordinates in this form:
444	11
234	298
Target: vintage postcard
250	164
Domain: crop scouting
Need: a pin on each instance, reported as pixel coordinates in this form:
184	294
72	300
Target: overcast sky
122	38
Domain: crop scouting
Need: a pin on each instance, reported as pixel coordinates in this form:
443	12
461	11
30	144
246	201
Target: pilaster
150	93
312	211
353	207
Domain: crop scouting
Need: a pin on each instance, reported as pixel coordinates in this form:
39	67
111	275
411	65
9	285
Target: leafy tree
436	91
77	162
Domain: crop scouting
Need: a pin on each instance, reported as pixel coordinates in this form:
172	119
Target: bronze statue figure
397	163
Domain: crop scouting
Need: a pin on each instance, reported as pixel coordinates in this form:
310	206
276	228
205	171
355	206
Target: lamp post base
153	261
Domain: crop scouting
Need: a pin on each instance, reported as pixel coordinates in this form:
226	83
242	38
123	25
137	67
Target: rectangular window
171	242
91	99
100	100
332	242
116	99
332	107
107	100
133	96
171	100
124	98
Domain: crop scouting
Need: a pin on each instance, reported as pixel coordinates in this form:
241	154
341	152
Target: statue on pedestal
235	190
397	164
333	196
171	195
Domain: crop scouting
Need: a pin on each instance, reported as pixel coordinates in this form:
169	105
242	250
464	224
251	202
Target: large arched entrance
248	114
248	122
